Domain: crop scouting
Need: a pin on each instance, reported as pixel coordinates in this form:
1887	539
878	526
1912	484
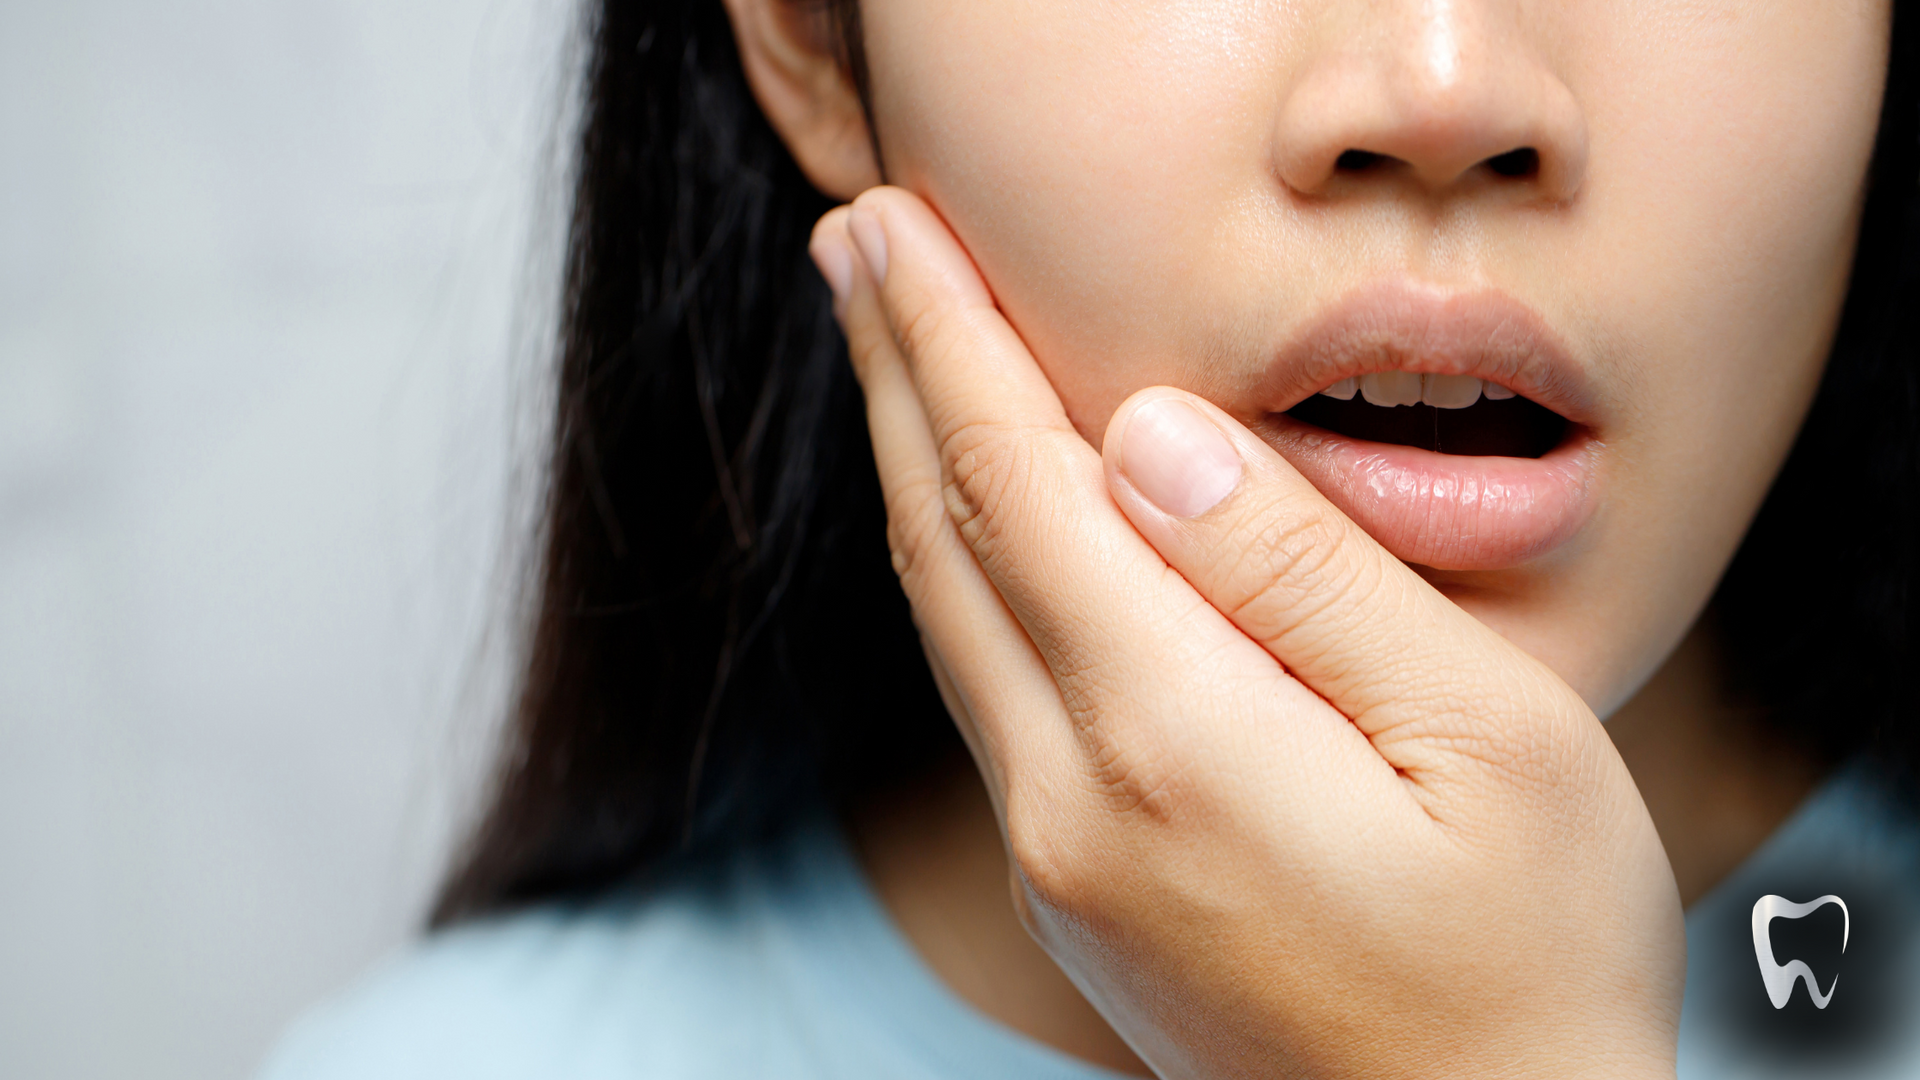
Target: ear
790	52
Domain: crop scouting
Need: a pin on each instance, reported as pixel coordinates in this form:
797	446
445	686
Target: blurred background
273	281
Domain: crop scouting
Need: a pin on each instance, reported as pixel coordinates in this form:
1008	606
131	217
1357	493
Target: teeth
1449	391
1388	388
1344	389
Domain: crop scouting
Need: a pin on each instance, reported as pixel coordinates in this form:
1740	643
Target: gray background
272	278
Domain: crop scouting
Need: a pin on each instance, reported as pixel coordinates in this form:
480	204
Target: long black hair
718	640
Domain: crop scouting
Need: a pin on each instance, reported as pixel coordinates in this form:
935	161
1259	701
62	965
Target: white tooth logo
1780	978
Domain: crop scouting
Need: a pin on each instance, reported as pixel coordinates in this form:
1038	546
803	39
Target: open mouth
1446	471
1457	429
1448	414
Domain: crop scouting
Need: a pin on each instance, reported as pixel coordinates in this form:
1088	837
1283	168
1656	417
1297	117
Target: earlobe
791	55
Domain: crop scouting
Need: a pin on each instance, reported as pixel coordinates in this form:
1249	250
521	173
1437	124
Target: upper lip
1408	326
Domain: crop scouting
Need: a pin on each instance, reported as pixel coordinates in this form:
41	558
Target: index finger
1022	487
1142	659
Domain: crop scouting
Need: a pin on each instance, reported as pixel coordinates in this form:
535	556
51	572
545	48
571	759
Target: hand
1275	804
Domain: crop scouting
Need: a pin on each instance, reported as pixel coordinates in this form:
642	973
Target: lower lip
1446	511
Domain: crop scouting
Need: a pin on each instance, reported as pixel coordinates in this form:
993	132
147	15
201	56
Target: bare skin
1715	781
1120	244
934	857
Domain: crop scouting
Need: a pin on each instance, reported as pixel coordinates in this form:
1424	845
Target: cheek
1712	252
1709	266
1111	167
1095	160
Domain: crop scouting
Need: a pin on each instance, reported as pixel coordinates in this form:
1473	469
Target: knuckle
867	350
1453	734
1529	752
1026	908
930	332
918	326
1525	745
915	520
1137	784
1051	870
1133	769
992	468
1288	565
1075	859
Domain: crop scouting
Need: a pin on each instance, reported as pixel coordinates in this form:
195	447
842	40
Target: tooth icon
1778	977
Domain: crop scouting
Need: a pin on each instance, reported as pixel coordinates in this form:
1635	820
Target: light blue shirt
780	963
1854	838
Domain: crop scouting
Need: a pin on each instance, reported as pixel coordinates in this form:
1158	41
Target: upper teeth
1389	388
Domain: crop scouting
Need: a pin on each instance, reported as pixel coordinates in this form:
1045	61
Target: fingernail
835	261
871	236
1178	459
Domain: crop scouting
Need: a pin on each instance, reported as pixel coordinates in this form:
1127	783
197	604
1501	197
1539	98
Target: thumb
1427	683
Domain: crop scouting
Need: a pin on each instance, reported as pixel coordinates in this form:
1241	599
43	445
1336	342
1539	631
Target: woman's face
1639	216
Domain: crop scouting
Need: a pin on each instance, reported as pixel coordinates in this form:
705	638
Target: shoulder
620	988
776	963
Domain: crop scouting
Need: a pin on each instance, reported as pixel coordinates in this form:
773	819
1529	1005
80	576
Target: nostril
1356	161
1516	164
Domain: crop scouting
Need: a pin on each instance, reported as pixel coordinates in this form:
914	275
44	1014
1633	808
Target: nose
1438	93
